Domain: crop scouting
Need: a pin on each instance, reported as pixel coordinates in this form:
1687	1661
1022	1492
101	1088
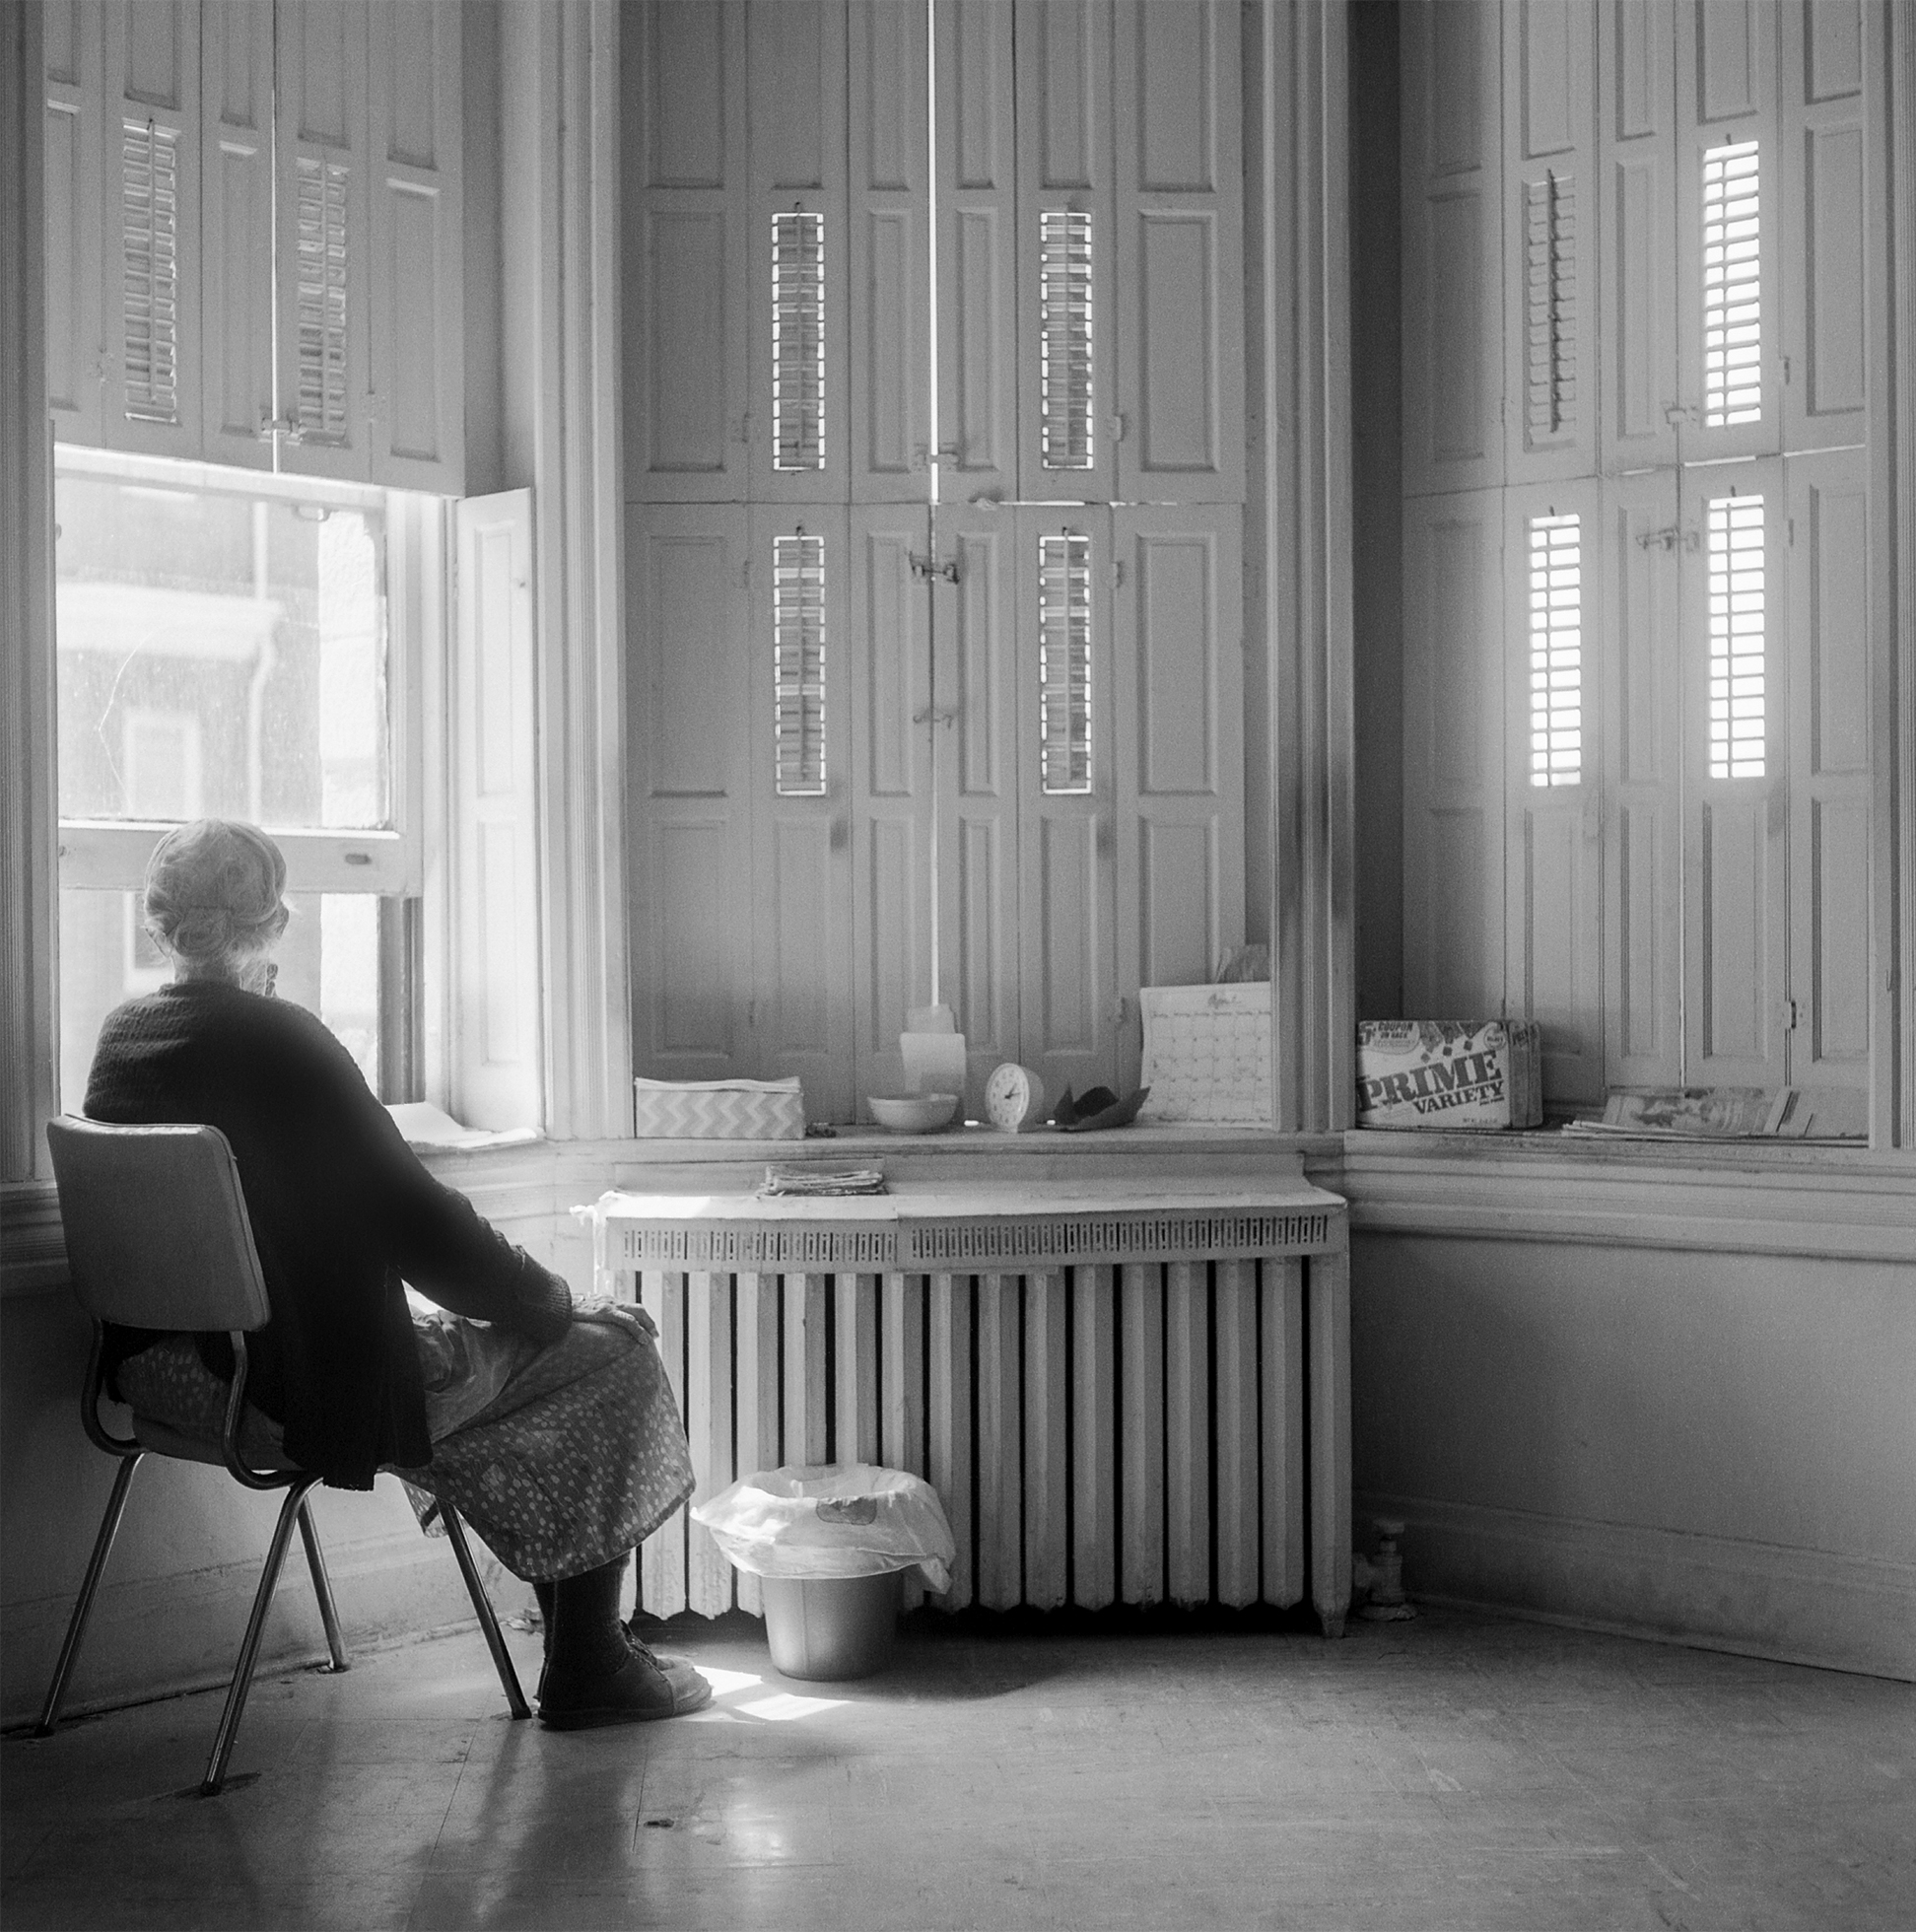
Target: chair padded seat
261	1444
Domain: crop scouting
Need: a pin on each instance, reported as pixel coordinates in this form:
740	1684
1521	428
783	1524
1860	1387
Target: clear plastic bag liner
832	1519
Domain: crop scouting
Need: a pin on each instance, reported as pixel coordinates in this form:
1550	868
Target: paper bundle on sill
818	1181
1824	1115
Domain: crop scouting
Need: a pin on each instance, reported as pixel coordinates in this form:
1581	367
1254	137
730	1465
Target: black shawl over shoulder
341	1211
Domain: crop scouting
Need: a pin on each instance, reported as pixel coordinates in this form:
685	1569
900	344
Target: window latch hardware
1679	413
271	425
925	567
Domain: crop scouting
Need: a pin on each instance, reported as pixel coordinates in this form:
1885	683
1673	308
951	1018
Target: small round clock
1014	1098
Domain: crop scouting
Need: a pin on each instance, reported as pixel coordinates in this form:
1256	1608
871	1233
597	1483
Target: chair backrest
156	1234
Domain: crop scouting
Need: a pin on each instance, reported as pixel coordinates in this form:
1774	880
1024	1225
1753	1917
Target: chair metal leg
236	1704
83	1605
488	1622
323	1586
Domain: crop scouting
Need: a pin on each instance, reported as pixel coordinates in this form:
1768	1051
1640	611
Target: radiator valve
1386	1603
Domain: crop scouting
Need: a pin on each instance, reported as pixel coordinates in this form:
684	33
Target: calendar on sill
1207	1053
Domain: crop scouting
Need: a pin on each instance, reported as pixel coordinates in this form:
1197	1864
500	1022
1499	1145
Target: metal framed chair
158	1237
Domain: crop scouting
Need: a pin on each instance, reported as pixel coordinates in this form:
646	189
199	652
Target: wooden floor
1461	1770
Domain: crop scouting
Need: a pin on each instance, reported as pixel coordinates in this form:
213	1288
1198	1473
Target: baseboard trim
1754	1598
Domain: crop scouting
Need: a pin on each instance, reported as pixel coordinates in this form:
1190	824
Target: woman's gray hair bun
214	895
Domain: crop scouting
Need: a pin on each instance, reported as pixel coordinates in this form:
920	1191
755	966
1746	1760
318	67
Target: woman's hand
602	1311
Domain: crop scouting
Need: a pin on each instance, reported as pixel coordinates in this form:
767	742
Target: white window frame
110	855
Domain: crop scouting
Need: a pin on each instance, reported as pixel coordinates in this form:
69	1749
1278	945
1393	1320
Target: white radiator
1098	1433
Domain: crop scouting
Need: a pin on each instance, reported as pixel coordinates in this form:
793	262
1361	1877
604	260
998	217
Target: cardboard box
1447	1073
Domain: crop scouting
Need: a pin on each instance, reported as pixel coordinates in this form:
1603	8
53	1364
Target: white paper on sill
427	1126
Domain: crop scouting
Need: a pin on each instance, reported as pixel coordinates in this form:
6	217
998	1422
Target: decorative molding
996	1239
1898	845
560	140
1756	1599
1857	1207
28	1023
1299	517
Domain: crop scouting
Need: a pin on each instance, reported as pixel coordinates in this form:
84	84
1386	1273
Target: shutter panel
415	366
890	254
977	668
1178	397
1552	760
1178	691
1736	844
979	254
77	252
1635	279
325	250
1550	128
496	1033
800	912
687	215
1069	335
1823	202
1067	795
236	229
1642	750
1453	710
888	662
1452	248
798	256
1828	557
151	229
1727	197
691	787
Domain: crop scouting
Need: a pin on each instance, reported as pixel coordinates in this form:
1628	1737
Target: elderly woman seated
549	1425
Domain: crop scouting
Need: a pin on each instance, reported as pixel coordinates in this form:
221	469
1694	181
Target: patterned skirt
559	1458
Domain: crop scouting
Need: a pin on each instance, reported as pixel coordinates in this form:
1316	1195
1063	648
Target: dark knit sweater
342	1213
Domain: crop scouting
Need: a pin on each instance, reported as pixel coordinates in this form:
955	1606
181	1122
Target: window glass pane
329	963
1064	662
1556	650
221	654
1738	628
1733	249
798	663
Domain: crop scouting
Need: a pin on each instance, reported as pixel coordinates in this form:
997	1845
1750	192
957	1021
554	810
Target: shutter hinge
1117	427
1116	572
1786	371
923	568
1791	1016
1788	531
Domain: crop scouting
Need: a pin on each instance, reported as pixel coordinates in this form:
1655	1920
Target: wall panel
1638	674
1735	849
1178	705
417	347
979	318
888	327
1454	756
687	217
237	233
803	891
690	792
1553	969
1823	202
1829	762
1551	230
1453	247
888	660
1179	398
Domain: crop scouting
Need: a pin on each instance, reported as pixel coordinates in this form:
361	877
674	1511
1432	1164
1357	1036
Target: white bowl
912	1113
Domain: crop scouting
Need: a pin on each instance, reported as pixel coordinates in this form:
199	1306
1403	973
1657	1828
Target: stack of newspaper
822	1181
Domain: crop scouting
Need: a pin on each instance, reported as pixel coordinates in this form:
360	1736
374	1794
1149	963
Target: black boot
594	1674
